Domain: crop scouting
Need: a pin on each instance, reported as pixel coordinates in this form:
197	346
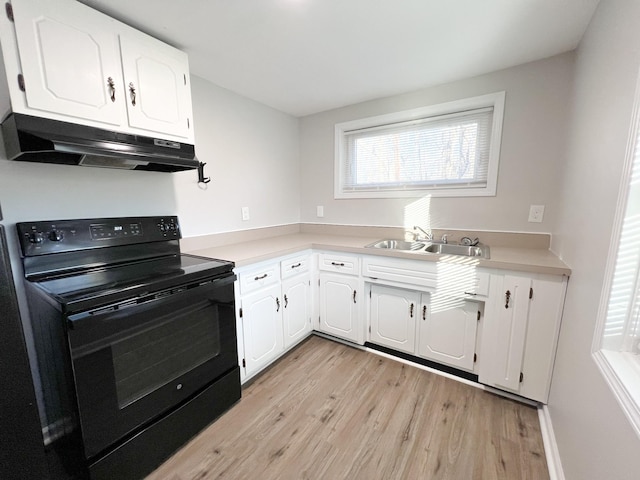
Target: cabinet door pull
296	265
277	304
507	296
112	89
286	301
411	311
261	277
354	296
337	264
424	312
132	92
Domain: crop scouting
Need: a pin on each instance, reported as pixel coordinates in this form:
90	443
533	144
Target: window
451	149
617	342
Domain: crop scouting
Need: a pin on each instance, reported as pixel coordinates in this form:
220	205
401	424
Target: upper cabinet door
70	61
156	78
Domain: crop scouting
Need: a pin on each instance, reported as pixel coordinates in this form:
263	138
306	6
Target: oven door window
138	361
162	353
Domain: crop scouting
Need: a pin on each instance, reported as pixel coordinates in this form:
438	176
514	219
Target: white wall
251	152
594	438
533	137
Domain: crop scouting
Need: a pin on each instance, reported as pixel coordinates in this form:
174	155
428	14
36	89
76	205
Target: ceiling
307	56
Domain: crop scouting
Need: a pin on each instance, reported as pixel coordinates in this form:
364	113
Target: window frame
620	371
493	100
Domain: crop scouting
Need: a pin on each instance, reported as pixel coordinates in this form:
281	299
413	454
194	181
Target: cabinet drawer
339	263
413	272
255	279
294	266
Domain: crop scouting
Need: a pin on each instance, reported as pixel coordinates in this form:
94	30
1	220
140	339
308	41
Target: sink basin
440	248
398	245
453	249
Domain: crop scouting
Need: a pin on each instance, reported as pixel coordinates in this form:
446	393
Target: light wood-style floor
329	411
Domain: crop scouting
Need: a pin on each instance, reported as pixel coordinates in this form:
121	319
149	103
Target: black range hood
36	139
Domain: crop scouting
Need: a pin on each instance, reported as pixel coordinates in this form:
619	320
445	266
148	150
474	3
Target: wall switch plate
245	214
536	213
320	211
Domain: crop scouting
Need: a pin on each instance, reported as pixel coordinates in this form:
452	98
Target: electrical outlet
320	211
536	213
245	214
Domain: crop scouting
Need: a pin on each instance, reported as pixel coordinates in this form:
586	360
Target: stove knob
56	235
36	237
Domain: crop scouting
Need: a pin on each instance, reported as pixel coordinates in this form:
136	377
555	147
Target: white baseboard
550	446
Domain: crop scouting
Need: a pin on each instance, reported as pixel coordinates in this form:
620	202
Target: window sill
621	370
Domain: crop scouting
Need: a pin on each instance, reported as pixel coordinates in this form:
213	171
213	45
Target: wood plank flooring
329	411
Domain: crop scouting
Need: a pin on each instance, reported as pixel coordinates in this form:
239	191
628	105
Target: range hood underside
34	139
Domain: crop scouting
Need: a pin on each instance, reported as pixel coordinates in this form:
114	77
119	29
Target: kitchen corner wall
595	439
535	124
252	157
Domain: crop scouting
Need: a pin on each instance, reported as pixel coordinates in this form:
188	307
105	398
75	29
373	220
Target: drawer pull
470	293
296	265
261	277
337	264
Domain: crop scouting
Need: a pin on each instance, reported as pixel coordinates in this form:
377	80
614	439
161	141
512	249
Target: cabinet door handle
286	301
277	304
296	265
112	89
354	296
261	277
424	312
507	297
337	264
411	311
132	92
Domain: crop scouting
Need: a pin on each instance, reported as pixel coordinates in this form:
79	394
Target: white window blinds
449	149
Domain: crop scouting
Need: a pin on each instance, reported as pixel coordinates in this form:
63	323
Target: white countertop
534	260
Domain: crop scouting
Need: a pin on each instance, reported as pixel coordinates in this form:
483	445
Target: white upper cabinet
81	66
158	95
70	62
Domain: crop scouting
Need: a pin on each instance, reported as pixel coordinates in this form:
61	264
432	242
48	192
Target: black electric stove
136	341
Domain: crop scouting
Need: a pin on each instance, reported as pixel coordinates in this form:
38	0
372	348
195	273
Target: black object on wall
21	445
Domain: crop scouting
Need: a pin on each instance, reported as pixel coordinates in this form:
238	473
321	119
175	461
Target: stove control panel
56	236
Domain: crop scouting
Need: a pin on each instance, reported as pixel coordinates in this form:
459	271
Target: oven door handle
93	329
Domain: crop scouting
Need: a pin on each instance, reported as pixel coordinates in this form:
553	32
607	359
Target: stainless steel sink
454	249
438	248
398	245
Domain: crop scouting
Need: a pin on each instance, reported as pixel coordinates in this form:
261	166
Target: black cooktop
92	288
85	264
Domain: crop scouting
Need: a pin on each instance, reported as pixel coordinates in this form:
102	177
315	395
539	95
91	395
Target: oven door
135	361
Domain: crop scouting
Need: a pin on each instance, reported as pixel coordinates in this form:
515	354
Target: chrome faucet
427	235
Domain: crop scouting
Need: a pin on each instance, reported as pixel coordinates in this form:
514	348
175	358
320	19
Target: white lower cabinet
502	326
339	309
520	333
273	314
447	330
296	309
262	328
393	312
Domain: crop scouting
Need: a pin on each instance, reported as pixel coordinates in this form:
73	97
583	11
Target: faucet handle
445	238
465	241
